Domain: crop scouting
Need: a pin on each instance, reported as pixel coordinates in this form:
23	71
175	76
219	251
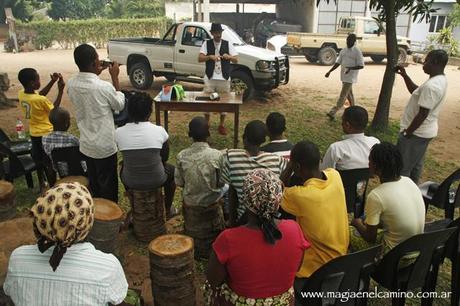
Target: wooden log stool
203	224
83	180
107	221
148	214
7	201
172	271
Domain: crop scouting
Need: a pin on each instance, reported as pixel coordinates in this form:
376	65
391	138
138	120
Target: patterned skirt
225	296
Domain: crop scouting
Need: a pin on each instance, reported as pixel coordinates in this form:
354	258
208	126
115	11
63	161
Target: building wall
178	11
329	15
299	12
420	30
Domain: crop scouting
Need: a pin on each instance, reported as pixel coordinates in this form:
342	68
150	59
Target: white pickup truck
175	56
324	47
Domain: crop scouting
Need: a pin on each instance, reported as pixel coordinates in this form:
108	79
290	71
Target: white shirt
399	207
217	75
94	101
143	135
350	153
350	57
85	276
430	95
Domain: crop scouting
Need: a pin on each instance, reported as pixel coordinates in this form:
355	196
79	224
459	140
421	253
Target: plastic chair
17	166
348	273
20	147
69	162
355	183
441	195
452	252
429	248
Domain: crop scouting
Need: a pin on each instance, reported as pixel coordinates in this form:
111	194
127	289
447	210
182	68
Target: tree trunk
380	121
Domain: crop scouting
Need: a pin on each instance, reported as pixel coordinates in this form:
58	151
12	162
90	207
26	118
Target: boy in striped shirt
237	163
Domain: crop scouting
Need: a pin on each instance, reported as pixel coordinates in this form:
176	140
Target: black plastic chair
452	252
20	147
69	161
17	166
439	194
429	248
355	183
348	273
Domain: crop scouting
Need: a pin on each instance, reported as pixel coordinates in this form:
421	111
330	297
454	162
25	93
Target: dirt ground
306	81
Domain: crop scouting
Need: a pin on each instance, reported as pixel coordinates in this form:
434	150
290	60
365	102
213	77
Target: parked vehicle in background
324	48
175	57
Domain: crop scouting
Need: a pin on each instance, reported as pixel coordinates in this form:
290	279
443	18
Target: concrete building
421	31
312	18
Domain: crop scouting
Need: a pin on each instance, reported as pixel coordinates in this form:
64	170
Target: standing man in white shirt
94	101
351	59
419	123
353	151
218	54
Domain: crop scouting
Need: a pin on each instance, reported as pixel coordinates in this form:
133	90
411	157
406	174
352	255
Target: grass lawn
303	123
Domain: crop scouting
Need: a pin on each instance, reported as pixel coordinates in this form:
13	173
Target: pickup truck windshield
231	36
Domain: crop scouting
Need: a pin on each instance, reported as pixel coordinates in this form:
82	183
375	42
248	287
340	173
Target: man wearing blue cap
218	54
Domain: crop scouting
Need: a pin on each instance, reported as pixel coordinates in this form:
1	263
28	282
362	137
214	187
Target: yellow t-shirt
36	109
321	210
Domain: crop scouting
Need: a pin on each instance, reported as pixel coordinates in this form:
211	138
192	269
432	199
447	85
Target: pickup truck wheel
377	58
327	56
311	58
242	82
402	57
141	75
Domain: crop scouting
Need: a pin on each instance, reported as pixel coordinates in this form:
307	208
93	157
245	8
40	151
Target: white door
373	41
188	49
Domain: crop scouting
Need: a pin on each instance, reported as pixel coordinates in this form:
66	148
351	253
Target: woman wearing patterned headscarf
77	273
237	270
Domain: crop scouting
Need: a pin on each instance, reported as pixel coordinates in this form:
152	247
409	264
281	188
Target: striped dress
237	163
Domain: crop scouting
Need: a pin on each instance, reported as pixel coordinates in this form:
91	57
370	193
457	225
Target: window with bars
437	23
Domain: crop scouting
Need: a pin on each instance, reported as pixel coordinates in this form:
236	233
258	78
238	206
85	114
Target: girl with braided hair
396	204
256	262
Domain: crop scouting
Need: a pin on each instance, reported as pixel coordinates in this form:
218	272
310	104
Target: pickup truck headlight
264	66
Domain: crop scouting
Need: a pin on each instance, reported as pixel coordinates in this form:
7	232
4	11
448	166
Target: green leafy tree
22	9
144	8
388	13
77	9
116	9
454	16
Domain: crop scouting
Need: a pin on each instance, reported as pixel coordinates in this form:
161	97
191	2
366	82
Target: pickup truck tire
242	81
311	58
377	58
402	57
141	75
327	56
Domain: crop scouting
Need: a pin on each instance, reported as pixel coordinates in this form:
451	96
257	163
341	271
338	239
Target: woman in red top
257	262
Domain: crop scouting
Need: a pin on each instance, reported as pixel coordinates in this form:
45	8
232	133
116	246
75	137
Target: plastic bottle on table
20	129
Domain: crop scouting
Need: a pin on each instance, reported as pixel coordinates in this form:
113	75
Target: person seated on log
36	108
396	204
59	137
197	170
257	262
319	207
276	125
62	269
145	151
235	164
353	151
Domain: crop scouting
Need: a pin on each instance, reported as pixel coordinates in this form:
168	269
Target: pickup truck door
372	42
187	50
161	55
